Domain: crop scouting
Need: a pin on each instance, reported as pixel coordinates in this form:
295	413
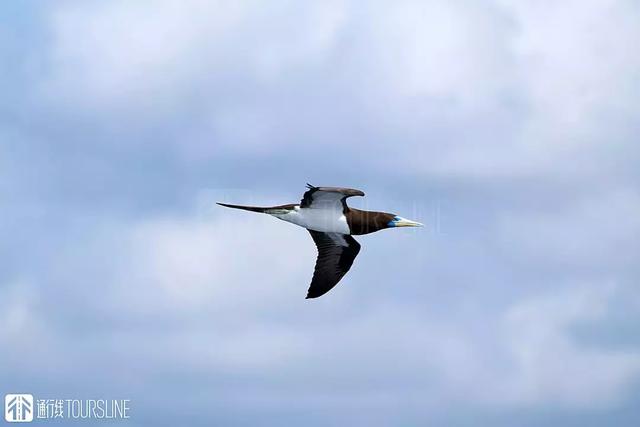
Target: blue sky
509	128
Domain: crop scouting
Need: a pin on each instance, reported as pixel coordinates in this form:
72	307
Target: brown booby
323	211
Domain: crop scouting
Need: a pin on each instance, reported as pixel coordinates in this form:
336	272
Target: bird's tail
272	210
245	208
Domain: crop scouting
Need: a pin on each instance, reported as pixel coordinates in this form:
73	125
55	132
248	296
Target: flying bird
323	211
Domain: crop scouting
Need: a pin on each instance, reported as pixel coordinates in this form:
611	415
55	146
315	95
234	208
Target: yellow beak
398	221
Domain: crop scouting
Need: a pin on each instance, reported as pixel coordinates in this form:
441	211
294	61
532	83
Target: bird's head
398	221
365	222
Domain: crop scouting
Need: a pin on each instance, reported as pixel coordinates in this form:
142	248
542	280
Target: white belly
326	220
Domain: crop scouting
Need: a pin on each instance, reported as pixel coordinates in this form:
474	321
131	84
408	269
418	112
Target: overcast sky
509	128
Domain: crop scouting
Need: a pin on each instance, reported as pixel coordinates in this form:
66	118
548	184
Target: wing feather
325	197
336	253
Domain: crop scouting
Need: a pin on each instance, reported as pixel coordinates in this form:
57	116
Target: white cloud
500	89
18	320
455	89
152	53
236	262
233	286
585	230
551	366
455	52
579	61
223	296
24	332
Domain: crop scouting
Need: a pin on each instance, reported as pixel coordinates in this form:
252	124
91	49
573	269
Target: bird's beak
398	221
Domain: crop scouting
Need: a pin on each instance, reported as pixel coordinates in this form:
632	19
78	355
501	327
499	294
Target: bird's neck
365	222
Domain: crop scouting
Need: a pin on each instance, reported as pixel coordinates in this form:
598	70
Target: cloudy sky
509	128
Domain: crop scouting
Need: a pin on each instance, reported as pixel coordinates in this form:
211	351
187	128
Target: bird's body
323	211
324	220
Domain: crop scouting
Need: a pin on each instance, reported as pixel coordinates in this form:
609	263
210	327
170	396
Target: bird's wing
327	197
336	253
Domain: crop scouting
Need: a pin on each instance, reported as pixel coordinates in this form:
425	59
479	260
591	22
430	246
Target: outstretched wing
327	197
336	253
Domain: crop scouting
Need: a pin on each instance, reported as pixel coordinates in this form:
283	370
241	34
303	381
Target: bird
324	212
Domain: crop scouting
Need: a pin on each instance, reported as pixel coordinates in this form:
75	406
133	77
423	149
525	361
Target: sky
508	127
